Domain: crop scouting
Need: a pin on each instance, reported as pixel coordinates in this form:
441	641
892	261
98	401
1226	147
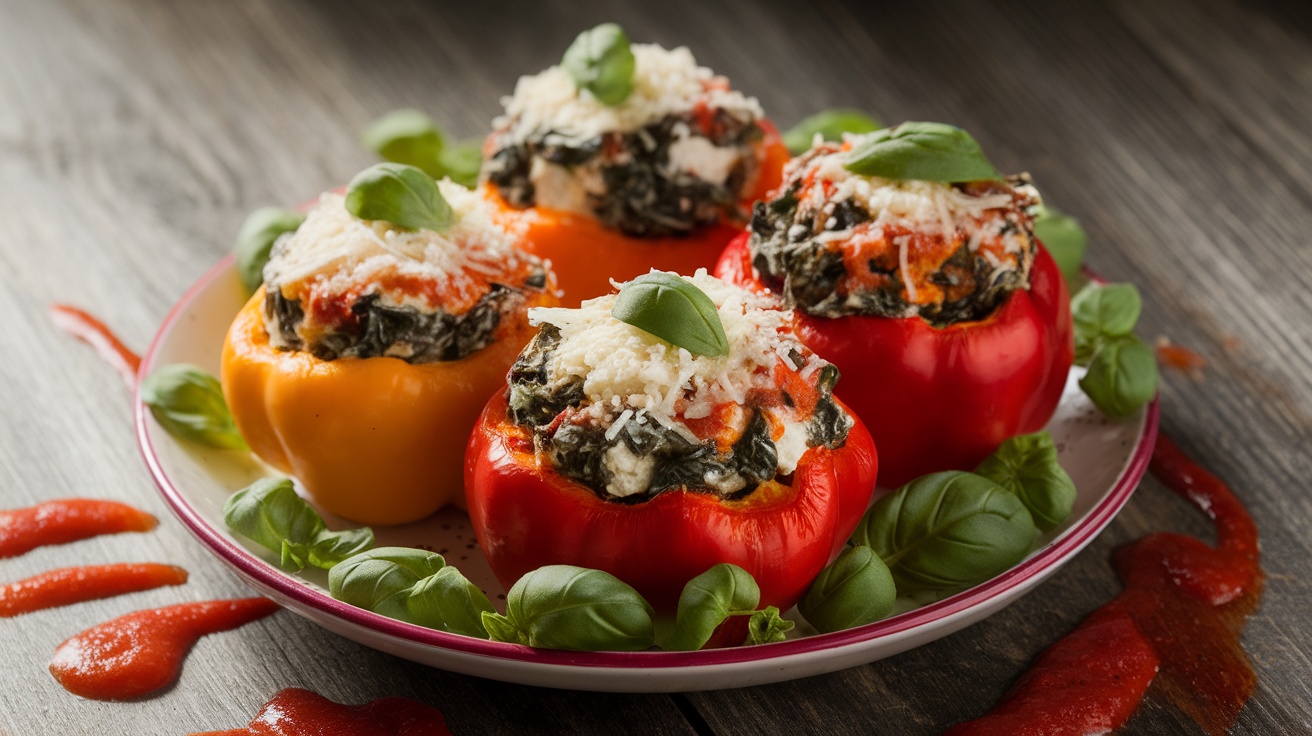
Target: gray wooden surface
135	135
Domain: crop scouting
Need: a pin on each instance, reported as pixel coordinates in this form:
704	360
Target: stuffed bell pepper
625	158
914	268
363	361
660	431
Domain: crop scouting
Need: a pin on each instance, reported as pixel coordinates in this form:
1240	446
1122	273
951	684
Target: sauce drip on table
137	654
296	711
71	585
67	520
93	332
1182	610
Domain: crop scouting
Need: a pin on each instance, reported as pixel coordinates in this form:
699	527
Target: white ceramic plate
1106	459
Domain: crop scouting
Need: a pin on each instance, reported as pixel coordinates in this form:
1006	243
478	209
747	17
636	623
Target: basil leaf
256	238
708	600
330	548
1027	466
673	309
601	62
406	137
1101	314
767	626
1064	238
381	580
402	195
830	125
1122	376
188	403
270	513
567	607
855	589
462	163
922	151
947	531
447	601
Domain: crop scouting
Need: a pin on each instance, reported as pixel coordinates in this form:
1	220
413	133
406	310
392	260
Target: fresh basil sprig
271	514
673	309
461	163
410	137
855	589
708	600
601	62
256	238
1122	373
922	151
567	607
945	532
831	125
1027	466
402	195
411	585
1065	240
1103	314
766	626
188	403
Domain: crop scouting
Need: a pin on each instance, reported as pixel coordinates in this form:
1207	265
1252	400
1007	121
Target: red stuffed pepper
613	449
949	321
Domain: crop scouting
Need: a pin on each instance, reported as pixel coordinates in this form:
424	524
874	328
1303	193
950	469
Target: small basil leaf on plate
330	548
408	137
255	239
402	195
855	589
269	513
1102	313
601	62
1065	240
673	309
381	579
188	403
830	125
945	532
567	607
447	601
708	600
462	163
1027	466
1122	376
921	151
766	626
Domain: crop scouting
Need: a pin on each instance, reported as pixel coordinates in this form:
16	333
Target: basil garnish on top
831	125
402	195
673	309
270	513
188	403
601	62
922	151
410	137
256	238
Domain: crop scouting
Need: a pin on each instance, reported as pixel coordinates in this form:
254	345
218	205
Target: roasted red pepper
526	515
943	398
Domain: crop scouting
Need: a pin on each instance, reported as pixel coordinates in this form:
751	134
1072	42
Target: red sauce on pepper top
297	712
67	520
1183	610
137	654
93	332
77	584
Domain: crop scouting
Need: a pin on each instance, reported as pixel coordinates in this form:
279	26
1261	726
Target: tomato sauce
93	332
67	520
1178	621
137	654
77	584
295	711
1180	358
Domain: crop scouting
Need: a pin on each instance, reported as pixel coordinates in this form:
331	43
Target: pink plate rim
257	570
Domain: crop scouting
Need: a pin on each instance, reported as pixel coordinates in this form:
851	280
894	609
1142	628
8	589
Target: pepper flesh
526	515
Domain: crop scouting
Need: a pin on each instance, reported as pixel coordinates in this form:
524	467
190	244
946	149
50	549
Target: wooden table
135	136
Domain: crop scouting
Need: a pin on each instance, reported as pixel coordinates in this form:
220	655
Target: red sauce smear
1180	358
77	584
93	332
297	712
67	520
137	654
1183	610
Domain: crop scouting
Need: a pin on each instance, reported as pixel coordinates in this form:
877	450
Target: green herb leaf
1103	314
408	137
945	532
922	151
856	589
1027	466
271	514
462	163
566	607
708	600
1122	376
447	601
671	308
767	626
188	403
381	579
402	195
831	125
1064	238
601	62
256	238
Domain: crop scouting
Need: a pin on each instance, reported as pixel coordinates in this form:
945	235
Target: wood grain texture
135	135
